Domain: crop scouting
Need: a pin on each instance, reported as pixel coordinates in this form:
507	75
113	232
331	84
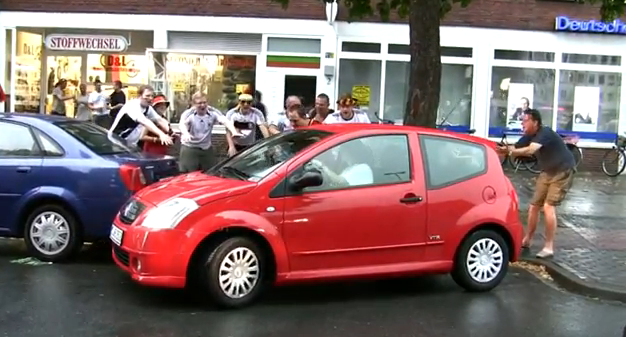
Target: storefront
573	78
43	56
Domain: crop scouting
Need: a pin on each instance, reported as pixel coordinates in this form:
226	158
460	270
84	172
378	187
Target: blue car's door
20	169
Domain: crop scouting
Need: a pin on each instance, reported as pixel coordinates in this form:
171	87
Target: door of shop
278	83
62	65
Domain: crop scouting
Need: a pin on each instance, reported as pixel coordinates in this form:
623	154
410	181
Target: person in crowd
557	170
347	113
149	141
298	117
117	99
196	128
138	114
98	105
321	110
279	122
59	98
83	113
245	119
258	104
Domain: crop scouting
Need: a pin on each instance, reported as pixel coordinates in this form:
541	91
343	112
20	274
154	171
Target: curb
569	281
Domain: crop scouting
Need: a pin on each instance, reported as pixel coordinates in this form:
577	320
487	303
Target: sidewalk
590	255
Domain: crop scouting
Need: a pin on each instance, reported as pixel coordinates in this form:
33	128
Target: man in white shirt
196	128
280	122
347	112
246	119
137	114
97	102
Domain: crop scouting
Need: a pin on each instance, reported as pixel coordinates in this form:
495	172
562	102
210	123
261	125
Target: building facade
493	52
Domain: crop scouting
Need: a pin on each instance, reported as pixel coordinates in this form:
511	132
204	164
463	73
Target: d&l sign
108	43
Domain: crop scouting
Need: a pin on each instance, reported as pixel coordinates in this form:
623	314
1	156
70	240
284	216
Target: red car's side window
448	161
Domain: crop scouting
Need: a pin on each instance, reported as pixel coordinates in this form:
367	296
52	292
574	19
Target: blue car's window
95	138
264	157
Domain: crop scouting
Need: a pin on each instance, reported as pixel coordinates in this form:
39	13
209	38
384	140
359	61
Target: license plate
116	235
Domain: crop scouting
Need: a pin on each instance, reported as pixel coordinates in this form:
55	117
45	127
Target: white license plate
116	235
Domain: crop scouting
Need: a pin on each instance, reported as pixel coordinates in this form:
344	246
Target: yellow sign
362	94
178	86
241	88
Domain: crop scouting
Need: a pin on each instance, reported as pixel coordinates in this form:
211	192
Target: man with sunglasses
196	128
246	119
280	122
348	113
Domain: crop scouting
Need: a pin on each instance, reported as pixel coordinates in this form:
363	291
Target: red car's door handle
411	199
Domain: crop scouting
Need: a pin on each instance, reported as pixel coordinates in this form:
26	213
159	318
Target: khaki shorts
551	188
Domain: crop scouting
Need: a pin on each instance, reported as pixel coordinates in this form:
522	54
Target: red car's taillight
132	177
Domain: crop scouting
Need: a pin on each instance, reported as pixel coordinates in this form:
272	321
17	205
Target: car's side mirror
308	178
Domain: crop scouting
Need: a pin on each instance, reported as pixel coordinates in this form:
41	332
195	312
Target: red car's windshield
261	159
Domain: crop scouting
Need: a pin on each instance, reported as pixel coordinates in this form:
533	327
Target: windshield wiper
235	171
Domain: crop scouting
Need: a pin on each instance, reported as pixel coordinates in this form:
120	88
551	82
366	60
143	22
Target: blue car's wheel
51	233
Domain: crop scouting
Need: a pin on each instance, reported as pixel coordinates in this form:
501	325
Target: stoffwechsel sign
75	42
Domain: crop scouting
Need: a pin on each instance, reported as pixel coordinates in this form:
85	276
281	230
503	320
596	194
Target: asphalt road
92	298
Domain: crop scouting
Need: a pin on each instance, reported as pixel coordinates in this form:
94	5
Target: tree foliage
424	22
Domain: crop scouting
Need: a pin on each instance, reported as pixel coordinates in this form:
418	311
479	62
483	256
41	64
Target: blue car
63	181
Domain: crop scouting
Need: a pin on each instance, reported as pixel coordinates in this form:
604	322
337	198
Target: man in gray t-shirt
196	127
245	119
279	122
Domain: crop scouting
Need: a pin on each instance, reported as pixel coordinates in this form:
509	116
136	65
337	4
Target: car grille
131	211
121	255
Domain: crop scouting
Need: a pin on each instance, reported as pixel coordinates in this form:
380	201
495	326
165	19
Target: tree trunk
425	77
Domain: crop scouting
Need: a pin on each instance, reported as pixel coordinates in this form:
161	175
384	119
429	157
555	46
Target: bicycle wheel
614	162
504	158
532	165
577	153
517	163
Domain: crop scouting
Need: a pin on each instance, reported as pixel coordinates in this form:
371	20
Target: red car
326	202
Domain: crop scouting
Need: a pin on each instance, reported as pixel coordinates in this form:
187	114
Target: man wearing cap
279	122
347	112
196	128
97	102
245	119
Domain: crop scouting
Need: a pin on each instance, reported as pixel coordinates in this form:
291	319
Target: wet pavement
92	298
591	238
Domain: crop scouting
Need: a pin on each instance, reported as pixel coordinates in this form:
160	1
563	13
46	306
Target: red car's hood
198	186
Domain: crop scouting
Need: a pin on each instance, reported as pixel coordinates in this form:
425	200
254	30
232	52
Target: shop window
291	45
585	107
362	79
27	72
592	59
509	86
455	102
403	49
69	68
117	67
220	77
360	47
519	55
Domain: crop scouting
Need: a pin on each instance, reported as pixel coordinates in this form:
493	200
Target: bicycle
532	165
619	162
517	163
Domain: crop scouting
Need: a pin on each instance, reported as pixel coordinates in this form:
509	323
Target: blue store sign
565	24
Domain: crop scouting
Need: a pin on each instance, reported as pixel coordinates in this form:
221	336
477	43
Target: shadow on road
94	253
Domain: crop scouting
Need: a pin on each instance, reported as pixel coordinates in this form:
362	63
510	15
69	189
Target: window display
68	68
361	78
589	101
508	88
219	77
455	102
28	72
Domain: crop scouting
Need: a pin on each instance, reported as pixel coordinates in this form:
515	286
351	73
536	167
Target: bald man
279	122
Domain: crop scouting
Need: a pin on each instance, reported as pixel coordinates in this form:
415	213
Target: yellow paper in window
362	94
178	86
241	88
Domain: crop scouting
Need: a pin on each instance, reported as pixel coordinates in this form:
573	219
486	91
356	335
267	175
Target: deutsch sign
106	43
